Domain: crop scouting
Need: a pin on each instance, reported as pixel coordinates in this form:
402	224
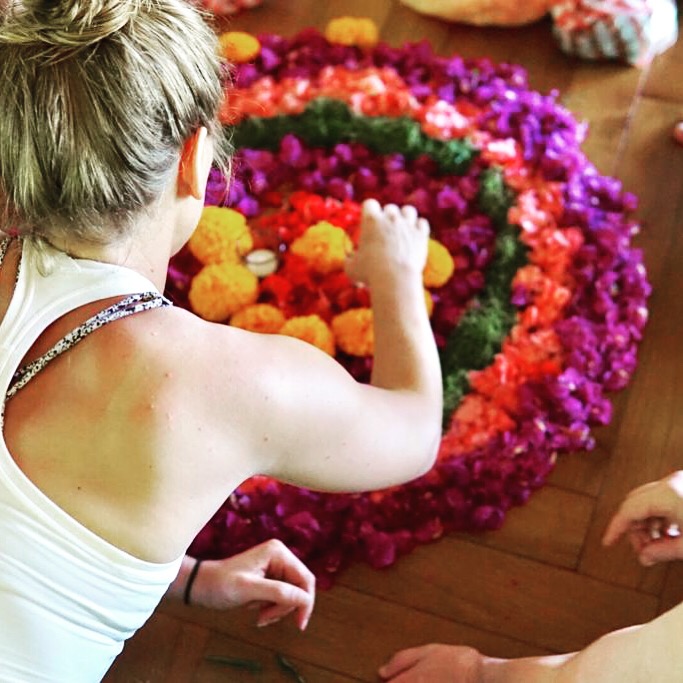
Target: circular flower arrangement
536	296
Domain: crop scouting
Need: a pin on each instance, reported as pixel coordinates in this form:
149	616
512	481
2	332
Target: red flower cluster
296	289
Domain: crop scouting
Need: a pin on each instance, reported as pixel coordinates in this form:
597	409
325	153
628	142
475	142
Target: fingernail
678	132
267	622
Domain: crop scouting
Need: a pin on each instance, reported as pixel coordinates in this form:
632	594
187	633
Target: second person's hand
651	517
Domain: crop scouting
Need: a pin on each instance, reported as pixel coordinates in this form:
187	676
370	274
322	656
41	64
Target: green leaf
289	668
236	663
495	197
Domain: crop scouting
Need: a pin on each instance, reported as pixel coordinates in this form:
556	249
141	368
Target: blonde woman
127	422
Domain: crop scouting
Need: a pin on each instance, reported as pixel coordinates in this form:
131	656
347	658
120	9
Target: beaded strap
132	304
4	246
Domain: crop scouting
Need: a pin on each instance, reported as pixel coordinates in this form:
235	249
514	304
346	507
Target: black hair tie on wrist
190	581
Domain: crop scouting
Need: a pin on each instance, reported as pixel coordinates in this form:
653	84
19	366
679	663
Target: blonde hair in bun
97	98
70	23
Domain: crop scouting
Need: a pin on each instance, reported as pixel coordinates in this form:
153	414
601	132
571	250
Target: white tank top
68	598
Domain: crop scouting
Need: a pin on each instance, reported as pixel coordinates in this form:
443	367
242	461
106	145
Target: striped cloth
633	31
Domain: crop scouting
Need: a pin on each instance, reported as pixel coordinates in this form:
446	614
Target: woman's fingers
402	660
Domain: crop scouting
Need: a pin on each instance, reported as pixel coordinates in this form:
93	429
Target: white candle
262	262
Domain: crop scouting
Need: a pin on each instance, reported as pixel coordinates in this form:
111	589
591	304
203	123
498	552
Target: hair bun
67	23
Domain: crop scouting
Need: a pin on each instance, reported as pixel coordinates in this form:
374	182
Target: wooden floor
543	583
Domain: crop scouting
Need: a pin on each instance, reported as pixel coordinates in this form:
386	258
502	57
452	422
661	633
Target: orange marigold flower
312	329
353	332
239	47
222	235
221	289
324	247
440	265
359	31
263	318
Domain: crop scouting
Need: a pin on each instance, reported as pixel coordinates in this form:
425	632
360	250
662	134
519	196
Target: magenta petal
380	549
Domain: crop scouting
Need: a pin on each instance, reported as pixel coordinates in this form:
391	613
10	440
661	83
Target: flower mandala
537	297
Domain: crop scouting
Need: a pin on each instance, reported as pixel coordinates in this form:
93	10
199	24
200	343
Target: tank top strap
135	303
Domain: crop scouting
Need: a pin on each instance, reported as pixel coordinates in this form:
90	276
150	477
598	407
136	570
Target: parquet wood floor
543	583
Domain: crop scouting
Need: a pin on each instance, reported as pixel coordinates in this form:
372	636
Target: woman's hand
651	517
269	577
434	664
393	244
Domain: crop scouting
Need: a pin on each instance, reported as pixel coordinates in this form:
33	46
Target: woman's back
70	595
108	430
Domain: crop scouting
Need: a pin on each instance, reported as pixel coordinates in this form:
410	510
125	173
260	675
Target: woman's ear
196	158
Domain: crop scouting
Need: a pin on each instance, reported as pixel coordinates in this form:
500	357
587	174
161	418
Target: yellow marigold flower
359	31
312	329
221	289
324	247
429	303
222	235
263	318
440	265
354	333
239	47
